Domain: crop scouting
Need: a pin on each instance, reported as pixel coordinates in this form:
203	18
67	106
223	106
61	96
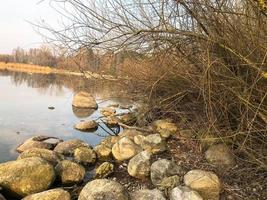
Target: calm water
24	102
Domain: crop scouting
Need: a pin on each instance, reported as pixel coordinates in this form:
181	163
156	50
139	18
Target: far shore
30	68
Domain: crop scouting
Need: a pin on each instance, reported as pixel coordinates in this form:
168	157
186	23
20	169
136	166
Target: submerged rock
26	176
103	189
162	169
41	142
154	143
184	193
104	170
86	125
147	195
48	155
70	172
54	194
85	155
68	147
125	149
139	165
103	152
165	128
220	155
205	182
82	112
84	100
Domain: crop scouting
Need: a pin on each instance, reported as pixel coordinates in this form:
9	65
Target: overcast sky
15	30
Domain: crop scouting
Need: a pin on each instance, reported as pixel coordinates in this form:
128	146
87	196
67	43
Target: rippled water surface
24	102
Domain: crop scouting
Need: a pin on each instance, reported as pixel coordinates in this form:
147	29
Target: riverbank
29	68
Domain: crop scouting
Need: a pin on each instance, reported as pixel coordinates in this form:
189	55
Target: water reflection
24	102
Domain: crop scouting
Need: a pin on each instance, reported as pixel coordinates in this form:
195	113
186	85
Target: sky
15	30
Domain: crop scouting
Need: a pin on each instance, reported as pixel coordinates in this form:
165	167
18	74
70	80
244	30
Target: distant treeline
83	60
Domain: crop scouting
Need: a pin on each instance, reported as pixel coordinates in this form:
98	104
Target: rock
68	147
84	100
103	189
110	141
206	183
169	183
220	155
82	112
104	170
112	121
48	155
128	118
184	193
51	107
54	194
69	172
125	149
103	152
154	143
26	176
2	197
147	195
85	155
162	169
108	112
130	133
41	142
165	128
86	125
139	139
139	165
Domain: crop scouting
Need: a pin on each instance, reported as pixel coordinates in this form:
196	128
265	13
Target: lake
24	102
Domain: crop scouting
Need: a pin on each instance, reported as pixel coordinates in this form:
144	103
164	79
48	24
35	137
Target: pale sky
15	30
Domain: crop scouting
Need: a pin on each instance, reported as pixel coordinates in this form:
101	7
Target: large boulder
48	155
26	176
103	152
103	189
86	125
41	142
184	193
85	155
154	143
147	195
125	149
220	155
139	165
165	128
84	100
104	170
70	172
54	194
68	147
162	169
206	183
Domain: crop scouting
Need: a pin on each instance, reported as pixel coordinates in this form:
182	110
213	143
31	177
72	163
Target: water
24	102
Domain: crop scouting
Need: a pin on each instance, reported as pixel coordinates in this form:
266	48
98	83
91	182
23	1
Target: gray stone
103	189
184	193
220	155
147	195
162	169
